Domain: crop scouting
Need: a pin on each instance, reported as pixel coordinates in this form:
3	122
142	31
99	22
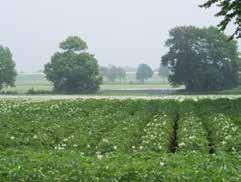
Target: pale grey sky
120	32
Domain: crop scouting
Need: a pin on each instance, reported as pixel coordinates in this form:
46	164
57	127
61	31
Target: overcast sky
120	32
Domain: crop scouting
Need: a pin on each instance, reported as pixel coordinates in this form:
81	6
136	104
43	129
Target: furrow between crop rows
174	137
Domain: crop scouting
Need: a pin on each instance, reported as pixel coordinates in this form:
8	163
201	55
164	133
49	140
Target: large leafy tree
230	10
202	59
144	72
73	70
7	68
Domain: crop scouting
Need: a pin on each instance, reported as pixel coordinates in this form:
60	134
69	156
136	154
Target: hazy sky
120	32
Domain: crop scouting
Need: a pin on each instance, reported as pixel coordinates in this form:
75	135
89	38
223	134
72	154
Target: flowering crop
158	133
225	134
124	136
119	140
192	136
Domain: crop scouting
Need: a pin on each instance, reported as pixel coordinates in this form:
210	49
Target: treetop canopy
231	13
73	43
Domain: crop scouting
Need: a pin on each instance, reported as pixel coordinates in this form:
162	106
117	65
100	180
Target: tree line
201	59
72	69
113	74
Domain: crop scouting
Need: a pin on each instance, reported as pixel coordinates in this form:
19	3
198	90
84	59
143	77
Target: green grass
155	78
114	140
22	89
31	79
25	82
134	86
38	82
232	91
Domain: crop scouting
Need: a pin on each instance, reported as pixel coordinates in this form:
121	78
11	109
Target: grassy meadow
37	81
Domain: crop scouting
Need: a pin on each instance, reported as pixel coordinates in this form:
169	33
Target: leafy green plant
119	140
192	136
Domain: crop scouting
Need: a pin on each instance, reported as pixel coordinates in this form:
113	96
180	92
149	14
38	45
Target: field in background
153	87
37	81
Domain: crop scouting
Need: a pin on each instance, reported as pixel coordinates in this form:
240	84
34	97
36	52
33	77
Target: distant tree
231	13
73	70
202	59
121	74
111	73
7	68
103	71
143	73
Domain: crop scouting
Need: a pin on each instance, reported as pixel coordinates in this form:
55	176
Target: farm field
38	82
84	139
153	87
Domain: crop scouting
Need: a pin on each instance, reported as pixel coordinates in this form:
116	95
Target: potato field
120	140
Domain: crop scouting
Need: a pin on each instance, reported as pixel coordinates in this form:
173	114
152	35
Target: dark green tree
202	59
73	70
230	11
144	72
7	68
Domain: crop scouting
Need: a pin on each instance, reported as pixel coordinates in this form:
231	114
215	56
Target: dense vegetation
202	59
113	140
7	68
73	70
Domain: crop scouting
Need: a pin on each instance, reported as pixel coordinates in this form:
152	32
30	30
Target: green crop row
225	135
63	166
192	137
120	140
158	133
